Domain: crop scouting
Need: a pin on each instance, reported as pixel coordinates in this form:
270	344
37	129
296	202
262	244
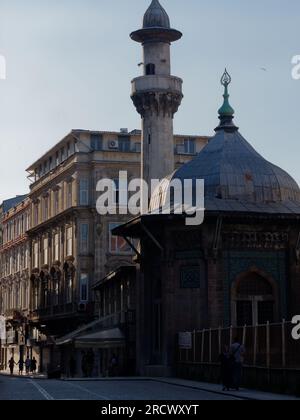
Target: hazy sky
70	63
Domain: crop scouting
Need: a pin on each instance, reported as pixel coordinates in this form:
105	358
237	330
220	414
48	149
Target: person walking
27	365
226	368
33	365
237	352
11	365
21	366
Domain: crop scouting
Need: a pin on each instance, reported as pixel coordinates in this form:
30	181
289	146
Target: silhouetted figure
11	365
237	352
33	365
27	365
21	366
226	368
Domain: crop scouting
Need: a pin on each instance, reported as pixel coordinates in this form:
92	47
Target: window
84	287
84	192
120	193
244	313
56	292
69	283
56	247
62	154
190	146
116	196
45	251
69	195
56	202
84	237
46	209
36	255
96	142
69	241
150	69
36	214
117	244
255	301
124	144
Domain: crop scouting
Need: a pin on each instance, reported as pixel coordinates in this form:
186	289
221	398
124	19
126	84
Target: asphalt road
32	390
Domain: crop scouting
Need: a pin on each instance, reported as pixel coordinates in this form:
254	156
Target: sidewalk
246	394
24	376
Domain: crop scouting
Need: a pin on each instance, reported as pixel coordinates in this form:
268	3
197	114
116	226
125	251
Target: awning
122	270
68	338
101	339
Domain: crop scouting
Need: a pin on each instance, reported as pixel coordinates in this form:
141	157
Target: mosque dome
236	177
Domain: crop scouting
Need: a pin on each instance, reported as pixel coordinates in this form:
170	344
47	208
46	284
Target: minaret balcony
156	83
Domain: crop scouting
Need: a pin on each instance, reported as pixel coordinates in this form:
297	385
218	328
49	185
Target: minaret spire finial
226	112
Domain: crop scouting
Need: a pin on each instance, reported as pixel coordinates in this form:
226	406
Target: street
29	389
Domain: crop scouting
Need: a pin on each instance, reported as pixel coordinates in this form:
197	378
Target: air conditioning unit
82	307
113	144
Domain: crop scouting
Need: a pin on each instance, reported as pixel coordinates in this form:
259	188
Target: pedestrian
226	368
11	365
72	367
33	365
21	366
27	365
237	352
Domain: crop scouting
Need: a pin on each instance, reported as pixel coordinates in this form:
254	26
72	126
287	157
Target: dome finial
226	112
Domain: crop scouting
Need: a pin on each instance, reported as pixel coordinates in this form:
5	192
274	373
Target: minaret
157	95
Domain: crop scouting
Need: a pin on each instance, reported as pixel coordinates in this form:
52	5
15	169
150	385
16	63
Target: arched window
150	69
254	300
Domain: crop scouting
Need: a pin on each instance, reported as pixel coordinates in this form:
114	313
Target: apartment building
15	277
71	245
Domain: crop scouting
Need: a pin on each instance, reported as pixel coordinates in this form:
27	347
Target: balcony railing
55	311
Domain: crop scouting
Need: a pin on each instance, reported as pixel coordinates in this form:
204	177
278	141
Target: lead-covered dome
236	177
156	16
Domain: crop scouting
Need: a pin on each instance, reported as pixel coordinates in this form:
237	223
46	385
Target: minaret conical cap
156	16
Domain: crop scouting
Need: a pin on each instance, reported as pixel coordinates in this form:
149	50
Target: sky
70	63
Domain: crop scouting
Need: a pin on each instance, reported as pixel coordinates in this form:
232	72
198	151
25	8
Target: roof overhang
126	269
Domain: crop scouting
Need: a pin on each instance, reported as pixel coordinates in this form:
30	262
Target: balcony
156	82
62	311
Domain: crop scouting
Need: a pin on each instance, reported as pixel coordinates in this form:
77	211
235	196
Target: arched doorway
253	300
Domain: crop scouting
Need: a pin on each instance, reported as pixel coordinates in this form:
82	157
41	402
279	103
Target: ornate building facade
14	275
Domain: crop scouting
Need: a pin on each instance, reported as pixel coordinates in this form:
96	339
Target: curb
22	376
